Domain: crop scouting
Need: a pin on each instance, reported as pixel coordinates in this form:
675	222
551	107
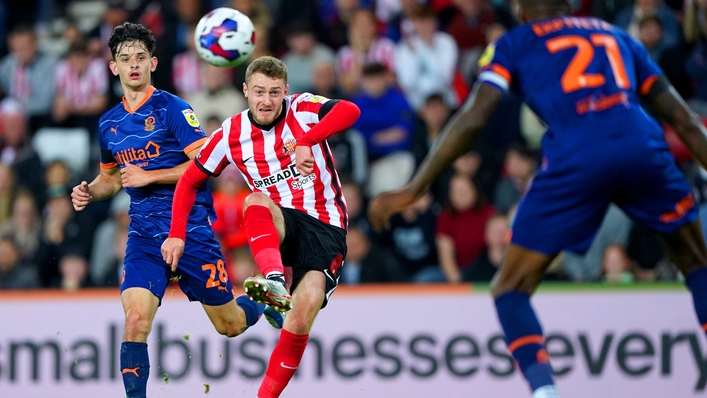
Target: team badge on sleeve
316	98
191	117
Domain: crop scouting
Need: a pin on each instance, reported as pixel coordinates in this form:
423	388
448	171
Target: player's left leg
522	271
308	298
234	317
687	249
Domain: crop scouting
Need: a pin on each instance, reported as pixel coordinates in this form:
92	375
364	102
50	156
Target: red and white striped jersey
80	90
266	159
382	51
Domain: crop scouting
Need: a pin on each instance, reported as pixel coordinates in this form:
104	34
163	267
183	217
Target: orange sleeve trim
194	145
501	71
648	84
108	165
520	342
704	327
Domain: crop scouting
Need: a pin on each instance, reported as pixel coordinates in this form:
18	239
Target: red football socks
263	239
284	361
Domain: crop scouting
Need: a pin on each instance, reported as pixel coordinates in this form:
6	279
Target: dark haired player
585	78
146	143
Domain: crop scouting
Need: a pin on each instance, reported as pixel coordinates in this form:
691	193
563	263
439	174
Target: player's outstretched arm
666	101
104	186
457	136
182	203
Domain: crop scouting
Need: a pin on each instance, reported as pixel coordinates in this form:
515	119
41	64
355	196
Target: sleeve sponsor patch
191	117
316	98
487	56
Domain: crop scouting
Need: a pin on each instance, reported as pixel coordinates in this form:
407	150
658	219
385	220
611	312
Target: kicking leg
140	306
234	317
517	280
687	249
288	352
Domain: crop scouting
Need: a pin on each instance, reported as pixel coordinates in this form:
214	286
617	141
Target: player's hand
172	250
386	204
81	196
134	176
304	160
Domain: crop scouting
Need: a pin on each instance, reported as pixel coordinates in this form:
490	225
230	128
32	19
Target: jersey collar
268	127
150	91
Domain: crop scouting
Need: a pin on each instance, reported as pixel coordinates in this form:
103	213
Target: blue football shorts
567	200
202	273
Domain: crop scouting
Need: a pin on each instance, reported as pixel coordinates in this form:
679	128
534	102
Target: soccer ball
224	37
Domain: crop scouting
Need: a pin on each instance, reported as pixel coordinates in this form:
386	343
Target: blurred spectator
24	225
365	47
17	151
27	75
496	234
631	17
460	227
425	62
616	265
650	34
303	55
229	197
696	67
7	192
218	97
694	22
211	124
412	237
260	49
111	236
241	265
57	176
520	166
74	273
63	232
256	10
356	206
188	69
115	14
14	274
399	26
614	231
81	89
323	81
336	16
386	123
433	115
367	263
467	21
188	14
350	155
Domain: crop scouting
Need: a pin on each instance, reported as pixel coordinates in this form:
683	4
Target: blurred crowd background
408	64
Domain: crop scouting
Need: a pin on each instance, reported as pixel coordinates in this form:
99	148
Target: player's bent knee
229	329
256	199
137	325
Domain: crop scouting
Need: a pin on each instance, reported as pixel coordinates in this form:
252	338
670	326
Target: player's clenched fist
80	196
172	250
304	160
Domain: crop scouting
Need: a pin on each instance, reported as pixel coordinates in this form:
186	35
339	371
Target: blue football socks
252	310
524	338
697	282
135	367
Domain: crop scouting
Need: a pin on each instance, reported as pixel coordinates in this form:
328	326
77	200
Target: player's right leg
513	285
265	230
687	249
140	306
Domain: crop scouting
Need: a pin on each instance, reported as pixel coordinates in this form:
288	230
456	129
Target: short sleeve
647	71
184	125
212	157
107	160
496	64
306	107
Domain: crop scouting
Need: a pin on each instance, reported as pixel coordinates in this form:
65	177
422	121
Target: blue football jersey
158	134
582	76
